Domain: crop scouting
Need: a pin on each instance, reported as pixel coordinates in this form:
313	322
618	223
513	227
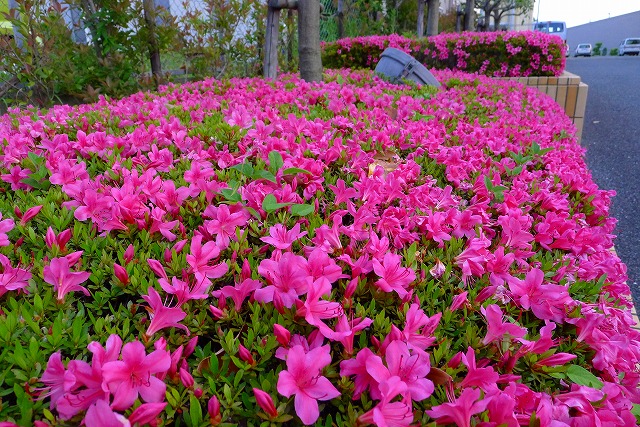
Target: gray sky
578	12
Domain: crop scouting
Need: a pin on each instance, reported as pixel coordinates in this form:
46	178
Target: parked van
557	28
629	46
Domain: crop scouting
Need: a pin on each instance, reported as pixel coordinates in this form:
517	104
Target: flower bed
247	252
496	54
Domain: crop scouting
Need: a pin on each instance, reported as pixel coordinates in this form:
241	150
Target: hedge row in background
496	54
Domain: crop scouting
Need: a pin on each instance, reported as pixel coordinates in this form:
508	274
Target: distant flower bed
248	252
495	54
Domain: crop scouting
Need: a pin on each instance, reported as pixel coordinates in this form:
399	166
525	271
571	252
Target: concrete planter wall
567	90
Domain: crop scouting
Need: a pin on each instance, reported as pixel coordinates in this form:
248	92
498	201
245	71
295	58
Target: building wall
610	31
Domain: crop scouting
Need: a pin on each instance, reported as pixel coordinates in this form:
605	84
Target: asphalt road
611	135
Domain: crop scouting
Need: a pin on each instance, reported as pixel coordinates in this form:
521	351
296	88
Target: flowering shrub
251	252
496	54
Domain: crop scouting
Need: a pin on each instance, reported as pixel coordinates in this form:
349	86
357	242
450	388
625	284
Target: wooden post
270	66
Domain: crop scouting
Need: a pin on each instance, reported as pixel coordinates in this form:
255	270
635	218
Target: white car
583	49
629	46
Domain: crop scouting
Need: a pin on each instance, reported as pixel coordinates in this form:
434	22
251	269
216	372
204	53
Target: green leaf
265	175
231	195
275	161
636	411
195	411
295	171
580	375
244	168
270	204
302	209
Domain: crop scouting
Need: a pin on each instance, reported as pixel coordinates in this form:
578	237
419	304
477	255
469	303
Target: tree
420	29
433	16
499	8
469	15
309	40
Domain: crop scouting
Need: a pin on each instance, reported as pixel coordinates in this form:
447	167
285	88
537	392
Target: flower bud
50	237
167	256
438	269
157	268
264	400
213	408
74	257
128	254
186	378
30	214
64	237
121	274
217	313
146	413
245	355
351	288
191	346
282	334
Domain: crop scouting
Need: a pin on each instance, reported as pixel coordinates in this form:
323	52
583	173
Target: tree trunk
433	16
154	50
309	40
340	19
420	29
469	16
497	17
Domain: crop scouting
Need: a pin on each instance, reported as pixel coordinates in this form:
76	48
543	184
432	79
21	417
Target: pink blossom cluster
113	381
512	184
498	54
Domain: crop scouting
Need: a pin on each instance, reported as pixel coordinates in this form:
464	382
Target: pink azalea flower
100	414
358	367
6	225
287	279
133	375
484	378
161	315
393	277
460	411
348	328
411	367
547	302
57	379
342	193
419	328
12	279
303	379
224	223
387	413
496	328
58	274
282	238
315	310
200	257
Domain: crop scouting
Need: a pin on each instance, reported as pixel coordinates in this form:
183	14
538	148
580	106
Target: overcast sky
578	12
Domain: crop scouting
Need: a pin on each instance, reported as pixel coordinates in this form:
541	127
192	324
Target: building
610	32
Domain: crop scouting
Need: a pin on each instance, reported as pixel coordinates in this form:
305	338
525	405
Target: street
611	135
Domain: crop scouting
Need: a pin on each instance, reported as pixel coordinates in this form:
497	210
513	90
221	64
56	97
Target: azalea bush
251	252
497	54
